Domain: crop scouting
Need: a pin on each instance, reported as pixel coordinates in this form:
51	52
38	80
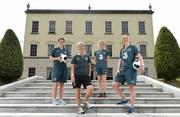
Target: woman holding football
126	72
59	71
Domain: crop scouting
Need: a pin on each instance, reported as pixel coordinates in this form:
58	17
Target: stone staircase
32	98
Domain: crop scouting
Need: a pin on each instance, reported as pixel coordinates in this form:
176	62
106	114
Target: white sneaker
62	102
55	102
86	104
81	111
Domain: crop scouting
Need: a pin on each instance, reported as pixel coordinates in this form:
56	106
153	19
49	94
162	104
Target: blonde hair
80	43
124	36
101	41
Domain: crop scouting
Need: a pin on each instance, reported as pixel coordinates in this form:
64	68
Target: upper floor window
33	50
35	26
124	27
50	48
108	27
88	27
32	71
88	49
109	49
142	27
52	26
69	27
69	48
143	50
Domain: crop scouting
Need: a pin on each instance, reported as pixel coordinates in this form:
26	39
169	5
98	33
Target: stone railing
12	86
164	86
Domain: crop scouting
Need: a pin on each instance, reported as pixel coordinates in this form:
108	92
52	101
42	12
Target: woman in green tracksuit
126	72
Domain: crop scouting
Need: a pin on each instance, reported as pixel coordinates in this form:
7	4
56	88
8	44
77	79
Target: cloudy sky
12	13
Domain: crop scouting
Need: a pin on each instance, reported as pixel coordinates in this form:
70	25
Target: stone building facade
44	27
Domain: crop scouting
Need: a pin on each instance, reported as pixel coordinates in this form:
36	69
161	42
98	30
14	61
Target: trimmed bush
166	57
11	58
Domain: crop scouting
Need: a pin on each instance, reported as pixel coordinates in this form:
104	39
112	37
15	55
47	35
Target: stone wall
41	64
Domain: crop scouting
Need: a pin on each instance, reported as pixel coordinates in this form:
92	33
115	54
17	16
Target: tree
178	70
11	58
166	57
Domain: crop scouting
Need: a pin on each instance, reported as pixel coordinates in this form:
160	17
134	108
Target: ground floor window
32	71
48	73
69	73
110	74
146	71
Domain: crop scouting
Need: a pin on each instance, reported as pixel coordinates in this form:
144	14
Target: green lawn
174	83
1	84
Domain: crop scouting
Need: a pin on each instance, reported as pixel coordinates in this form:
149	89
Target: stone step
89	115
93	100
94	84
70	89
72	94
93	81
98	108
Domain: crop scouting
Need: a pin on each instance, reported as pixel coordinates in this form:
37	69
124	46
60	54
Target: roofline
55	11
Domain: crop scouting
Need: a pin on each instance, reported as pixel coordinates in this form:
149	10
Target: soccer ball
136	65
64	58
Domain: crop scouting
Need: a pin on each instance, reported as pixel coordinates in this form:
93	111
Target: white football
136	65
64	58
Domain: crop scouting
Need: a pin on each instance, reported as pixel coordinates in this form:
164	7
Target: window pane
146	71
69	73
141	27
49	69
143	50
88	50
35	26
52	26
124	27
32	71
50	48
110	73
108	27
88	26
33	50
69	48
109	49
68	26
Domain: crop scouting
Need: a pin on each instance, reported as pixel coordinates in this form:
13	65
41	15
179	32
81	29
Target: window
88	27
124	27
50	48
69	48
33	50
32	71
35	26
49	69
52	26
69	73
108	27
109	49
68	27
88	50
143	50
146	71
142	27
109	73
